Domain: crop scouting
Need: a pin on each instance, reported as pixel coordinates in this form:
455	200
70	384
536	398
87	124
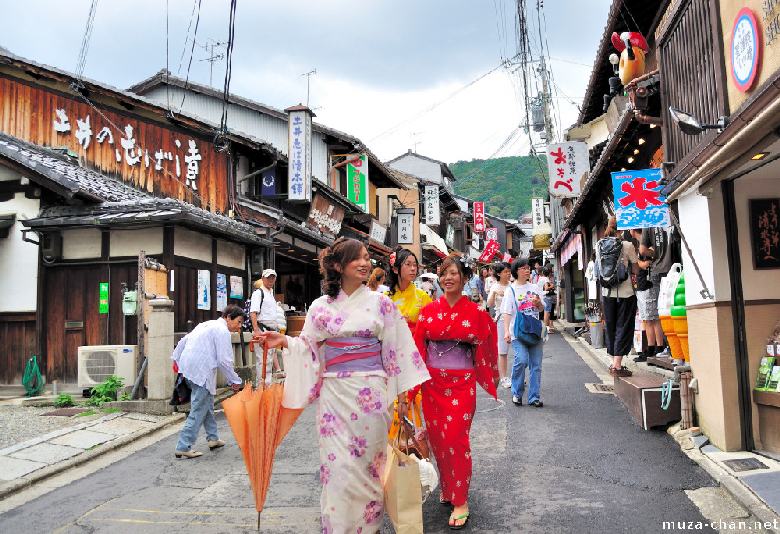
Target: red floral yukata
450	396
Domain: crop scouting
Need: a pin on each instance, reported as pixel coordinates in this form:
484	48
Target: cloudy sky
392	72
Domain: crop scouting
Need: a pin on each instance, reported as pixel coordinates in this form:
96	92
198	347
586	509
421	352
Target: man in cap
262	310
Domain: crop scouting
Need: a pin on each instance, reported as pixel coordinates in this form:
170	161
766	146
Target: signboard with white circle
745	50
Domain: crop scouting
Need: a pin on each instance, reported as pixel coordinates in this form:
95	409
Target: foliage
125	396
63	401
105	391
110	410
87	413
506	185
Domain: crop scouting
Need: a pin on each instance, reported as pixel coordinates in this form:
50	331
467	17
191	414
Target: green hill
506	185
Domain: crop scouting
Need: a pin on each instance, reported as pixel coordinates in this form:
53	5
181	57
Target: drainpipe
682	376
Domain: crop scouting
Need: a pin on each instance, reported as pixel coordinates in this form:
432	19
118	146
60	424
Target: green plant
105	391
110	410
87	413
125	396
63	401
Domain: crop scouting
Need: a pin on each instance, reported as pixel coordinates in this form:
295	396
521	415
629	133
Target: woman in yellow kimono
409	300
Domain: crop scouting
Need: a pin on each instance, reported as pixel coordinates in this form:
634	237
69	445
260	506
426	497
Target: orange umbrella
259	423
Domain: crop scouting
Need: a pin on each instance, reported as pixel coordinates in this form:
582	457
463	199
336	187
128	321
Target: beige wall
770	59
81	244
131	242
231	254
189	244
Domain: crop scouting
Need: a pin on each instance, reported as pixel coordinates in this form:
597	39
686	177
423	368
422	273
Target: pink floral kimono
356	354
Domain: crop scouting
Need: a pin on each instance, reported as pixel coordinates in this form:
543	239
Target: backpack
527	328
610	268
247	306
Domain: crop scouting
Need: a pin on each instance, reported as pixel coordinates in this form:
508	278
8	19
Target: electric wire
186	38
82	57
192	53
228	68
167	67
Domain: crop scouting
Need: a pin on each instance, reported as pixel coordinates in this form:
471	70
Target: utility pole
308	83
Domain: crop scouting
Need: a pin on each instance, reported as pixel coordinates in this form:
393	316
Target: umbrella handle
265	361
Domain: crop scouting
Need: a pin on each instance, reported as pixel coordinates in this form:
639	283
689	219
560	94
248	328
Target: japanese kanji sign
479	217
405	228
537	212
299	155
357	181
765	232
745	50
567	165
431	200
638	199
491	249
491	233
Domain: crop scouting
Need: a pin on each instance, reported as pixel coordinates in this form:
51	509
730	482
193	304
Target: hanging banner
204	289
568	165
236	287
405	228
491	233
479	217
377	232
491	249
268	183
357	181
103	296
299	153
431	198
638	199
537	212
222	295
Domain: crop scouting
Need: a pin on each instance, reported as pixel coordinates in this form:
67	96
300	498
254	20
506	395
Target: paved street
577	465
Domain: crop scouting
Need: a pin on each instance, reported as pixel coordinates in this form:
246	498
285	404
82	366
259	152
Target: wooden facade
30	112
18	339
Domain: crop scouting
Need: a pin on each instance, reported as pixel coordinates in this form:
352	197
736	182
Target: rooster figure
633	49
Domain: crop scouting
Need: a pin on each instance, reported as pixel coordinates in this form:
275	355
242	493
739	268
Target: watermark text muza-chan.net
720	525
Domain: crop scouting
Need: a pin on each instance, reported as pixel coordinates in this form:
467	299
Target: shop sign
222	294
299	154
357	180
765	232
325	216
204	289
745	50
405	228
638	199
378	232
431	198
103	302
537	212
236	287
479	217
491	249
567	164
491	233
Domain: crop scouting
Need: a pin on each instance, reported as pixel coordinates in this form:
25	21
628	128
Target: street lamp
690	125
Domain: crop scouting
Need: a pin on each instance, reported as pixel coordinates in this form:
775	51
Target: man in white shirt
198	356
262	310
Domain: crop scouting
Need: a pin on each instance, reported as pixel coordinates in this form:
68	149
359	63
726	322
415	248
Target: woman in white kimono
356	354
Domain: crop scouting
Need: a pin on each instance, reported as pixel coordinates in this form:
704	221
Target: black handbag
181	391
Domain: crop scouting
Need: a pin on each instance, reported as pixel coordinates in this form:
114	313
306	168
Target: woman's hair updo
393	278
343	251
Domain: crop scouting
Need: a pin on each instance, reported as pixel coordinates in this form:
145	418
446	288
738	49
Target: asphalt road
579	464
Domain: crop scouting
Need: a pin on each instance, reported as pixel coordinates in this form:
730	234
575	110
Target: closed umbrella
259	423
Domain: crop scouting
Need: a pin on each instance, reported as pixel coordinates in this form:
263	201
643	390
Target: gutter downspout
721	157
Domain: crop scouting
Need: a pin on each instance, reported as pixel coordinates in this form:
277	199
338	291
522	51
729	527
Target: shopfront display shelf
767	398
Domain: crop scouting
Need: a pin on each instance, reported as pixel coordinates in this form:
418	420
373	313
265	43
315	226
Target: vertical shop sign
432	205
103	302
537	212
638	199
357	181
567	164
479	217
222	295
204	289
299	153
405	227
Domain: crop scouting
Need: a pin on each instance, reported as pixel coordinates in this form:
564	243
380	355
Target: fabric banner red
491	249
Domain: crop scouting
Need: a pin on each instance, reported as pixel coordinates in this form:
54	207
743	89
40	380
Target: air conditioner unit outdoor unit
96	363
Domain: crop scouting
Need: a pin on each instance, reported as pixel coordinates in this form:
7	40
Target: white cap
268	272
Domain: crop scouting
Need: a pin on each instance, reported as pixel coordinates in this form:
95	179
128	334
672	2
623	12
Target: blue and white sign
638	199
299	154
745	50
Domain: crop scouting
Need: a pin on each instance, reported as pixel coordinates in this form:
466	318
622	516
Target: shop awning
433	241
572	246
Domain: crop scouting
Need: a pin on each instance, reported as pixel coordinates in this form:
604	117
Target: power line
192	53
186	37
82	58
228	68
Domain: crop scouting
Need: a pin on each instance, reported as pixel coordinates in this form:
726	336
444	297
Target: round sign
745	50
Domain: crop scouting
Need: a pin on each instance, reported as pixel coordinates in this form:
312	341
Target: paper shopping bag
403	494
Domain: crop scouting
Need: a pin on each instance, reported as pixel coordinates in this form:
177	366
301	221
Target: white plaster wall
81	243
231	254
130	242
763	283
194	245
695	223
18	259
421	168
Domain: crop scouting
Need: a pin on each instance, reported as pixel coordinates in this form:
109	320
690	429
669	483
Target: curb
741	493
46	472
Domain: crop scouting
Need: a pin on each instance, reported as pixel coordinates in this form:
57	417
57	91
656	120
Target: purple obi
449	354
350	354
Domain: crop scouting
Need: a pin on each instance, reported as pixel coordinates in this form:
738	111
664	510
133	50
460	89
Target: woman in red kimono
458	342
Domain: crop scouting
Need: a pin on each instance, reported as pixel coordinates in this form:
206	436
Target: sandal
460	517
443	501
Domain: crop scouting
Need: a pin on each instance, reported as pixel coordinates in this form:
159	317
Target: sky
398	74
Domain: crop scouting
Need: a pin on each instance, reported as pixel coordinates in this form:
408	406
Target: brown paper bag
403	495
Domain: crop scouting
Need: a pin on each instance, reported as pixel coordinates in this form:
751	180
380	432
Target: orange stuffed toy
633	49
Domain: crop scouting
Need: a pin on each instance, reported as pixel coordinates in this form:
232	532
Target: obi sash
450	354
350	354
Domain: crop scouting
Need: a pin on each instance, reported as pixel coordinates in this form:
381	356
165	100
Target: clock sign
745	50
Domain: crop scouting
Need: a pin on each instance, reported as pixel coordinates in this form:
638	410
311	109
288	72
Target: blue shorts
549	303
